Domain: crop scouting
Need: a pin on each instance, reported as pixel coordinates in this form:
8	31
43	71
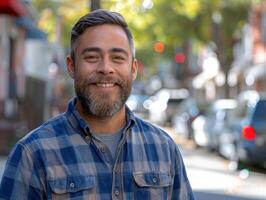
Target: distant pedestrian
97	149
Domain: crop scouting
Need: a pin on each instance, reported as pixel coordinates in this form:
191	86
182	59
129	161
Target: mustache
105	79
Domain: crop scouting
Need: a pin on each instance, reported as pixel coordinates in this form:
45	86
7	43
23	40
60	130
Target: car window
241	110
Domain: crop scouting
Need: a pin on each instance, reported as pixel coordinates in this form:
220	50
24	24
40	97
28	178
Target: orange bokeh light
158	47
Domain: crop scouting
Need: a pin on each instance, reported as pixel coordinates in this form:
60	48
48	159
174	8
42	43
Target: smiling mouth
105	85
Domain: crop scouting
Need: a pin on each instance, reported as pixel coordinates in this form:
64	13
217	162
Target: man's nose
105	67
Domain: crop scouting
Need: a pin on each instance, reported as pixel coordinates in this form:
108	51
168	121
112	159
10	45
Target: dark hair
99	17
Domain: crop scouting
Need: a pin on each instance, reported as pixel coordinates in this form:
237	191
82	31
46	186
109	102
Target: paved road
212	179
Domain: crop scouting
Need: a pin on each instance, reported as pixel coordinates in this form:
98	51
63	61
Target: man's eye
118	59
92	58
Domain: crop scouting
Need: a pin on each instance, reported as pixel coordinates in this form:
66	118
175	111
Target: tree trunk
220	51
95	4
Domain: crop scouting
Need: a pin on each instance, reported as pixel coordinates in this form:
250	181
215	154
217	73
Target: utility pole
95	4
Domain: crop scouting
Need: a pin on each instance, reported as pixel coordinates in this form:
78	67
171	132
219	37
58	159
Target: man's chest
88	173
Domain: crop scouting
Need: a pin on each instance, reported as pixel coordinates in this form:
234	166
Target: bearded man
97	149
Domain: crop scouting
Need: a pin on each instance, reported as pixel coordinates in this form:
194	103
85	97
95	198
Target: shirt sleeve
22	178
181	187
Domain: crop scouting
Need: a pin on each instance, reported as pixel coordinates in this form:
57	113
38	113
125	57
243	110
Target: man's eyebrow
99	50
91	49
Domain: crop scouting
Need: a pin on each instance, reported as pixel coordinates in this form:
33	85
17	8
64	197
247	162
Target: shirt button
102	149
87	137
72	185
117	192
155	179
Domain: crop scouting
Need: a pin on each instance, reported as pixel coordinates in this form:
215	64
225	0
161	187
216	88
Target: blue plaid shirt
60	160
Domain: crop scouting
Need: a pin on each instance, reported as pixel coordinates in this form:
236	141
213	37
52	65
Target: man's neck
104	125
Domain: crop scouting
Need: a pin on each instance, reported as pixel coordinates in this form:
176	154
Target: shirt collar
79	123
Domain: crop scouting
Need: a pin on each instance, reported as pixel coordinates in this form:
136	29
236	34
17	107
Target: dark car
244	140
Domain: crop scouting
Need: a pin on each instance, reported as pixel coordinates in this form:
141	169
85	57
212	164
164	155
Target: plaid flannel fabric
60	160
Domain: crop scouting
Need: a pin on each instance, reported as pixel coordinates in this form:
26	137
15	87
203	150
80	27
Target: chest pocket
74	187
152	185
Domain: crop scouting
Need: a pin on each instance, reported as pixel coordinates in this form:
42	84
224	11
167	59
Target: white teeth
105	84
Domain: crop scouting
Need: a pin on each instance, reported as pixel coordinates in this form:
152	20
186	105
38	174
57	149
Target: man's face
103	71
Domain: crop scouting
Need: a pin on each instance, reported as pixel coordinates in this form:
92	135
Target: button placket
117	192
116	170
117	179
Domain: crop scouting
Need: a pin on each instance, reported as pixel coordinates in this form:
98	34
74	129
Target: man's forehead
105	37
105	30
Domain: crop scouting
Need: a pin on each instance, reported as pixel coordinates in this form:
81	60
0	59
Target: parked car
217	121
244	141
135	103
162	105
208	127
199	134
187	111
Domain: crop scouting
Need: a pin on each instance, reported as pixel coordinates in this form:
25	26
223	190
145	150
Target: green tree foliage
56	17
173	22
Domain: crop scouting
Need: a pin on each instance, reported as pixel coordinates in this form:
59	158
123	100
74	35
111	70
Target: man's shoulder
153	131
48	130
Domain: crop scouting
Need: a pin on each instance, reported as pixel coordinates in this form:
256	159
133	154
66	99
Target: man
97	149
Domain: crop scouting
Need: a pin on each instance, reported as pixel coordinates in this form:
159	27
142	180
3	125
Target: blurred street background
202	77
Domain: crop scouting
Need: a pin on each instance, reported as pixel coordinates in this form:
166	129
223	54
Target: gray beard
99	105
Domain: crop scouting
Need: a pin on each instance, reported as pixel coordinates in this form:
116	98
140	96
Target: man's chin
102	108
105	112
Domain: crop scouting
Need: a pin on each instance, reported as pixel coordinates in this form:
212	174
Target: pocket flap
72	184
152	179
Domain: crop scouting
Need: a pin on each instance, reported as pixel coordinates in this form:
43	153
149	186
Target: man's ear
70	66
134	69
